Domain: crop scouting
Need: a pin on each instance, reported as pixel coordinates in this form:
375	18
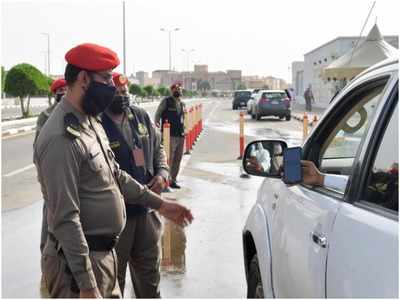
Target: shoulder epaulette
72	125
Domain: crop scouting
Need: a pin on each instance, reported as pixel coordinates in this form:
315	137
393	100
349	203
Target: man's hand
92	293
176	212
311	174
157	124
156	184
253	165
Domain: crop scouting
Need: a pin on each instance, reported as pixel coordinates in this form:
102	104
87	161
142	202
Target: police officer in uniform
58	89
172	109
137	146
82	184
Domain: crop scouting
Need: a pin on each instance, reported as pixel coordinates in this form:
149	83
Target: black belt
95	242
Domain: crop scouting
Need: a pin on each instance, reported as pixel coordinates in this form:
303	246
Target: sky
259	37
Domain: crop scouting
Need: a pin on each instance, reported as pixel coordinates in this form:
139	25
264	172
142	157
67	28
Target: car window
242	94
340	147
274	96
383	182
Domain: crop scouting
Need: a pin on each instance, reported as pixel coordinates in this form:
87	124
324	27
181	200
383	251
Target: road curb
15	131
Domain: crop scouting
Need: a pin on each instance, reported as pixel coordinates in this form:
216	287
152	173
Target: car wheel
281	117
288	118
253	116
234	107
254	283
258	116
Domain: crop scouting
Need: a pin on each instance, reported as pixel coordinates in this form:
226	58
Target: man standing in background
172	109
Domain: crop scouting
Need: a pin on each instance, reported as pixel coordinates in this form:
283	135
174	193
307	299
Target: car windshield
242	94
275	95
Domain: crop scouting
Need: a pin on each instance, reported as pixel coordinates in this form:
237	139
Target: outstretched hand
311	174
176	212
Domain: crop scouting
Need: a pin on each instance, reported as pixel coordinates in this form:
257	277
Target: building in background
309	72
269	82
142	77
201	77
298	77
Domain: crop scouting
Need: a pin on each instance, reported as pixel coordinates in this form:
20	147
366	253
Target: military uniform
139	242
172	109
43	117
83	188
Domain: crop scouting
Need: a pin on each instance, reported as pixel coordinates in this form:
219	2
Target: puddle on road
173	246
292	137
226	173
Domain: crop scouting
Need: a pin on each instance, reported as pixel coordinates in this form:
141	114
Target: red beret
92	57
119	79
176	85
58	83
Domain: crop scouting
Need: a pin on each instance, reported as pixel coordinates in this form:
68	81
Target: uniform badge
114	145
72	125
142	129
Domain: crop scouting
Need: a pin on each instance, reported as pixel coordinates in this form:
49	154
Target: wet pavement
202	260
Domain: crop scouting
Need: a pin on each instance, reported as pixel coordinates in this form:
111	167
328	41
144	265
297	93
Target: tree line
24	81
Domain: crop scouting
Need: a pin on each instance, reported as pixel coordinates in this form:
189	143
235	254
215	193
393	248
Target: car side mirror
264	158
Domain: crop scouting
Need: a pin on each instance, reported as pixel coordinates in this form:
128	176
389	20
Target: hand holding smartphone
292	165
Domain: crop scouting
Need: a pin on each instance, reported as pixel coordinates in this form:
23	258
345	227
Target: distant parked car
271	103
240	99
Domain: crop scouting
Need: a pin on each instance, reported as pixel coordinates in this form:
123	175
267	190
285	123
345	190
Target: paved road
205	258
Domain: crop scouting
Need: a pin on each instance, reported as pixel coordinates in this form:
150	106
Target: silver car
271	103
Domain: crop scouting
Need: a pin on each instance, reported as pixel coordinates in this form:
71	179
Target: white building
298	77
310	71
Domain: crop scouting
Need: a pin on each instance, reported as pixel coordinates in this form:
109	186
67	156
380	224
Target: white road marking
20	170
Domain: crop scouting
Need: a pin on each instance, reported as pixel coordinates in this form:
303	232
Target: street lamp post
48	52
124	35
45	61
187	52
169	44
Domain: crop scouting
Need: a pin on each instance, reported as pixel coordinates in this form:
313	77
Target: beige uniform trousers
59	280
139	244
175	156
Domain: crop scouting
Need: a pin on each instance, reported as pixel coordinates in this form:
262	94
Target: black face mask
58	97
119	104
97	98
176	94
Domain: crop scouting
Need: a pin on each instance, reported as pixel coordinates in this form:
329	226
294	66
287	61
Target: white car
336	241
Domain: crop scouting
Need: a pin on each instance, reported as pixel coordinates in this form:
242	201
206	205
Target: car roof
272	91
392	62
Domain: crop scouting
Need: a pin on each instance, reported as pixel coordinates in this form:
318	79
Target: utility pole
124	36
169	44
48	52
187	52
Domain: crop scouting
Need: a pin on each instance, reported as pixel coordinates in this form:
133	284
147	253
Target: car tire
253	116
258	116
281	117
234	107
288	117
254	282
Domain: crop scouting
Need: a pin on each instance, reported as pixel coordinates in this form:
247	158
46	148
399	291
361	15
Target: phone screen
292	165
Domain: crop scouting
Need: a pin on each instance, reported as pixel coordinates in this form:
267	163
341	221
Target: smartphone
292	165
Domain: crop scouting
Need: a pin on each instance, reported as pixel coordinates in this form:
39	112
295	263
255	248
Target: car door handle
319	239
276	197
